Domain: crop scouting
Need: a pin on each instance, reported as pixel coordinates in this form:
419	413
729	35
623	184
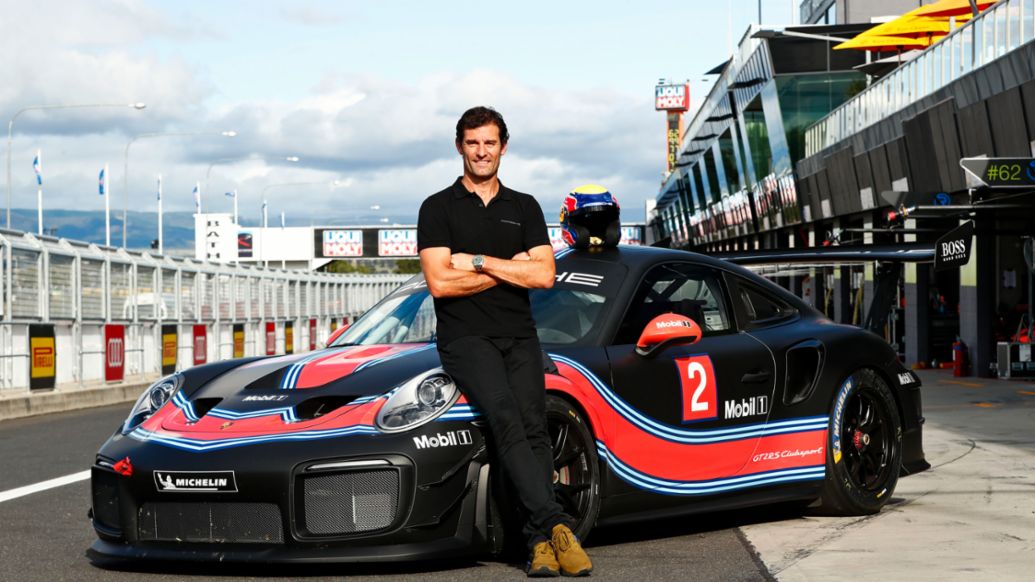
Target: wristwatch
478	262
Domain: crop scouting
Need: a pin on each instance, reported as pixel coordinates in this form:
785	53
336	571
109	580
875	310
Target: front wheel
576	477
864	455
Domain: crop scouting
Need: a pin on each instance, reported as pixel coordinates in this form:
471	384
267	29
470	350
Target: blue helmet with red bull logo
590	217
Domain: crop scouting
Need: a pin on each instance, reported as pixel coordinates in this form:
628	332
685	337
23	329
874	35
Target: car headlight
151	400
420	400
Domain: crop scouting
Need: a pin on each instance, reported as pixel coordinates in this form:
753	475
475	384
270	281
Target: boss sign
671	98
114	353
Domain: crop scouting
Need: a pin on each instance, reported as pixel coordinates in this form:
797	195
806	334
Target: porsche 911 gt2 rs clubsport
676	384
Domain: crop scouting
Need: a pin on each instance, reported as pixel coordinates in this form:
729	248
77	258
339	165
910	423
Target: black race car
677	384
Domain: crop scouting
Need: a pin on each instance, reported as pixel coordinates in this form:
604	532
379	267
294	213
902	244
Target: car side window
689	290
762	308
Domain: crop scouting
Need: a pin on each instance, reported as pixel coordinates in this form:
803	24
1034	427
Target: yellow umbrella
947	8
883	43
907	25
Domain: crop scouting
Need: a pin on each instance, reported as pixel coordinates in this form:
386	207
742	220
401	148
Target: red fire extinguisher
959	358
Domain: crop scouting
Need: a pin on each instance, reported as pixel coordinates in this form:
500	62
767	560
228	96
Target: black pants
503	379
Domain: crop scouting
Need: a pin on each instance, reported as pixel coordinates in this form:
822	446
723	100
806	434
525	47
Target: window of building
729	161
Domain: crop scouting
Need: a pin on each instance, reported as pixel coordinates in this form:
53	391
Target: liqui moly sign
672	97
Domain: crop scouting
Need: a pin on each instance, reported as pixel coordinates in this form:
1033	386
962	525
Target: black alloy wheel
865	453
576	467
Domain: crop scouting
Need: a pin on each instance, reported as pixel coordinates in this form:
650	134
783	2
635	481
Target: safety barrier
76	315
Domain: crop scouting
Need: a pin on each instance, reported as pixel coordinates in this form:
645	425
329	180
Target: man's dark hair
476	117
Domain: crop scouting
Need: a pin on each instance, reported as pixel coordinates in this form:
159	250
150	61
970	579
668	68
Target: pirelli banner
238	340
42	357
169	351
289	337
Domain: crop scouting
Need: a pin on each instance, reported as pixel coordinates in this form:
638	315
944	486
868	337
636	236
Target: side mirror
667	329
334	334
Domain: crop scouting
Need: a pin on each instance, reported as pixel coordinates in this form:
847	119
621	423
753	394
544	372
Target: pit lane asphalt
45	535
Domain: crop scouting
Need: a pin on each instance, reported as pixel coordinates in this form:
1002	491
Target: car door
690	414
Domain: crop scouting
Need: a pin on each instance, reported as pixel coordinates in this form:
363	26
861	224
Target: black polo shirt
457	219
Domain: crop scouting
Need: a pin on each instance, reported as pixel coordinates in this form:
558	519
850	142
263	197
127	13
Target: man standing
482	246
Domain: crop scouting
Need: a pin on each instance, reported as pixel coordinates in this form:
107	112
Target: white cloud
392	139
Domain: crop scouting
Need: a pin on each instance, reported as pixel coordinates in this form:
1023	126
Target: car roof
638	258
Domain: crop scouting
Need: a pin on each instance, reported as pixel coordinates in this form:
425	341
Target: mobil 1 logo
953	249
450	438
751	406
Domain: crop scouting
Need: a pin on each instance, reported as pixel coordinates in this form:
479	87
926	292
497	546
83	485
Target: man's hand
533	269
462	262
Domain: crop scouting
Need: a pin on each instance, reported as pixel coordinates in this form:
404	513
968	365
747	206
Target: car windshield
563	316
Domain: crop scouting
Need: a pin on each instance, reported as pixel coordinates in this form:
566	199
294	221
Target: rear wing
835	255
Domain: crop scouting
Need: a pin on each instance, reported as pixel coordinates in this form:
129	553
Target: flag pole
39	192
107	209
235	206
281	219
160	245
265	215
197	201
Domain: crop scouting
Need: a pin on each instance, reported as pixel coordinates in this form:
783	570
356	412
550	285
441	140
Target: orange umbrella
884	43
947	8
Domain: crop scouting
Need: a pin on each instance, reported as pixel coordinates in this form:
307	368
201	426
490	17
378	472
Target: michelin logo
752	406
443	439
196	481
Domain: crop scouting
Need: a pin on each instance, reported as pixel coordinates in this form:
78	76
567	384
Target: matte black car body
651	455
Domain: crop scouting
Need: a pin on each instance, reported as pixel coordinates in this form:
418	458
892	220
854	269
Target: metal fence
75	289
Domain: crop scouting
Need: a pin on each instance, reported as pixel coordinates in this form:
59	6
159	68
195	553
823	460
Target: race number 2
697	379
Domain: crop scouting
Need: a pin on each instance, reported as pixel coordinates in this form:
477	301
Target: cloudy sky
365	92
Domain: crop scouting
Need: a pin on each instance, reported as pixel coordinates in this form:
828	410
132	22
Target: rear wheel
864	455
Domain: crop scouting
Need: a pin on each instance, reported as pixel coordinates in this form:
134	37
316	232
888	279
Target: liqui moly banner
397	242
114	353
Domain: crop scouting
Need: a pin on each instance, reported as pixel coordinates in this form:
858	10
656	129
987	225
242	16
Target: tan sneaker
544	562
570	555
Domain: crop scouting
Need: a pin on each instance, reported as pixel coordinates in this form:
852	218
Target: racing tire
576	465
864	452
576	480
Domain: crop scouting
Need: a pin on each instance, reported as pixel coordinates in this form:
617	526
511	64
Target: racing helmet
590	217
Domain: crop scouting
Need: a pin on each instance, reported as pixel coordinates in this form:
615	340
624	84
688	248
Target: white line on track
43	486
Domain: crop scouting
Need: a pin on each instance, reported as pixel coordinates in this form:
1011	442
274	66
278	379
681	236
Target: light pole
331	184
208	171
10	133
125	165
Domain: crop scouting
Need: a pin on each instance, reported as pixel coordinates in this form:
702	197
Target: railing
995	32
76	289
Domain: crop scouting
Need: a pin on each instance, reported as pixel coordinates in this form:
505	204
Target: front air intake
231	523
352	502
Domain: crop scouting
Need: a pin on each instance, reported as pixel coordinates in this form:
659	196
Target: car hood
295	392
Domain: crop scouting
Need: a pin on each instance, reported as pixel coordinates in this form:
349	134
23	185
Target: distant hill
82	225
